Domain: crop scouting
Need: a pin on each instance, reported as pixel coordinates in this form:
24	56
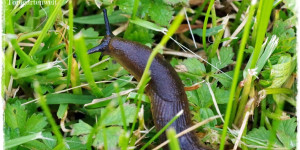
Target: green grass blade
46	28
205	23
236	75
71	42
81	52
174	144
21	140
47	112
162	130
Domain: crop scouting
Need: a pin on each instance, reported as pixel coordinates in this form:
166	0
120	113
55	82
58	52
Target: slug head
105	42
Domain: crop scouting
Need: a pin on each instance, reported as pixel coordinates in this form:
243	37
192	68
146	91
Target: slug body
165	88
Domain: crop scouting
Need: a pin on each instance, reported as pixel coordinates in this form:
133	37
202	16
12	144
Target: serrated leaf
160	12
287	36
35	145
74	143
49	140
125	5
15	116
206	113
286	132
222	96
91	37
260	137
225	81
81	128
226	55
139	34
281	71
204	95
35	123
195	66
115	117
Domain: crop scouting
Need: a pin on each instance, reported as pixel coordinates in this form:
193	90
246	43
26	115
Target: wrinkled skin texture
165	88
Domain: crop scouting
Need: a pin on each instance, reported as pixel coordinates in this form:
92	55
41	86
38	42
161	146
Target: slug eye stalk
103	46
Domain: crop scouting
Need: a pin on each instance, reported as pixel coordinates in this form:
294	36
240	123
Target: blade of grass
52	49
242	8
47	112
71	42
46	28
117	89
261	31
98	125
81	52
205	24
23	139
28	35
174	144
199	11
236	73
218	39
162	130
9	26
135	8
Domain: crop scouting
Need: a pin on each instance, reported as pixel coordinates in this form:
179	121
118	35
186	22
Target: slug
165	89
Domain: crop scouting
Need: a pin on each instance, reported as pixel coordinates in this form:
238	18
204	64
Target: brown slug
165	89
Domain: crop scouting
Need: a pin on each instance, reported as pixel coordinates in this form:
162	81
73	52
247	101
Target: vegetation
237	61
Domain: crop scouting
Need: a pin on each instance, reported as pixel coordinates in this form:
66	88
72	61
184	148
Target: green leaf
15	116
74	143
49	140
222	96
206	113
148	25
291	5
139	34
286	133
174	2
260	137
112	135
226	55
281	71
160	12
81	128
126	5
223	79
25	72
91	37
61	110
114	18
287	36
36	123
66	98
209	32
35	144
194	66
23	139
115	117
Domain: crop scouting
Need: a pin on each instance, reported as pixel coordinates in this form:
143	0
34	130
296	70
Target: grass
250	77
